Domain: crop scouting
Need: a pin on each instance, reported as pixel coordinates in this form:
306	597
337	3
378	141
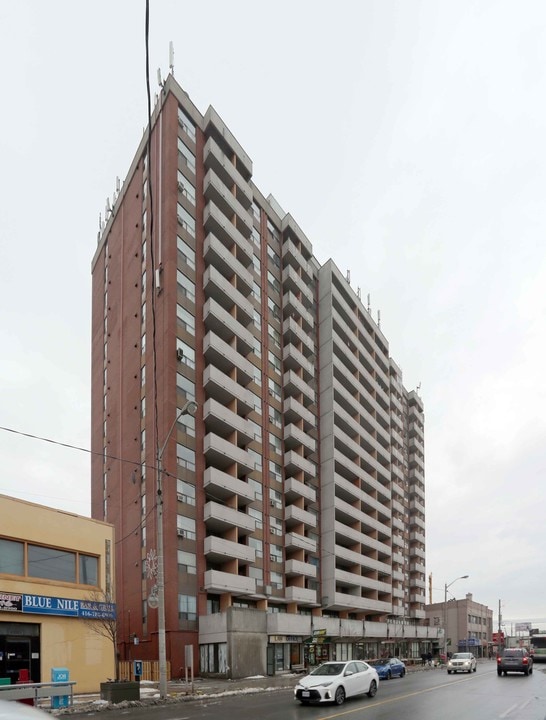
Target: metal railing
24	691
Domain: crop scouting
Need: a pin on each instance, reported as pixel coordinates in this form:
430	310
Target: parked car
461	662
515	660
12	710
335	681
387	669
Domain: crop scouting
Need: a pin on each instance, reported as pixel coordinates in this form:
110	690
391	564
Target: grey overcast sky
406	137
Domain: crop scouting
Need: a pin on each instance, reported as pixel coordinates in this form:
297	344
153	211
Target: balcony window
186	124
275	498
186	354
256	573
187	607
185	219
185	527
187	562
257	545
273	282
275	553
188	158
275	525
274	389
186	188
257	487
186	385
185	492
275	471
276	580
185	456
186	318
274	362
185	252
258	517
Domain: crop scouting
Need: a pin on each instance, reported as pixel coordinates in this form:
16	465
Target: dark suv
514	660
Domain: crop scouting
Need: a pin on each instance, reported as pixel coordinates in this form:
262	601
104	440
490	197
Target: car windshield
329	669
462	656
378	663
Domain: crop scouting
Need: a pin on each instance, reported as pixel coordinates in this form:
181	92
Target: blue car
387	669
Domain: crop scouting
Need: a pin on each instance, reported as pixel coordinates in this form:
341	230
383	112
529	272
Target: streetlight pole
190	408
446	586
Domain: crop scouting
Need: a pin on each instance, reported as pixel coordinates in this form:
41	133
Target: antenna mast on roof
171	57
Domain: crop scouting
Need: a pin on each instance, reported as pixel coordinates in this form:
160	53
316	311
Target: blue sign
59	675
137	668
45	605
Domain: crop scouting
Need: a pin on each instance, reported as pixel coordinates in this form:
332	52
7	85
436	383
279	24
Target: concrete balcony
415	474
220	518
291	229
215	190
294	489
294	463
417	598
419	583
218	256
226	326
219	550
294	333
416	536
294	411
242	161
302	596
342	461
294	437
293	256
217	223
217	582
397	471
417	506
293	359
226	358
218	287
348	514
291	305
293	540
416	461
398	592
398	507
417	491
416	552
349	533
291	280
294	515
297	567
415	429
224	486
288	624
416	445
349	579
347	556
223	454
397	557
399	524
415	520
343	601
294	384
397	575
417	567
225	169
224	389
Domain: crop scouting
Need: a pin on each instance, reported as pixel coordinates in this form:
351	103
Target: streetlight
190	408
448	585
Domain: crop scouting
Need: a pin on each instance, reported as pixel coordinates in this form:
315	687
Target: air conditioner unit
180	187
180	532
179	354
180	497
273	503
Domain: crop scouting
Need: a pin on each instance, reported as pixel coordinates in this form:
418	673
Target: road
418	696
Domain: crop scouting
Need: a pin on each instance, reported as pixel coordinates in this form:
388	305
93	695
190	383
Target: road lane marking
392	700
507	712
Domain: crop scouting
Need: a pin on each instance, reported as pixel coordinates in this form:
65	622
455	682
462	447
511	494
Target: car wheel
372	689
449	672
470	671
403	672
389	675
474	670
339	697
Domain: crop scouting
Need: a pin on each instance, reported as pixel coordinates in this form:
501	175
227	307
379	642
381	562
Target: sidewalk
178	691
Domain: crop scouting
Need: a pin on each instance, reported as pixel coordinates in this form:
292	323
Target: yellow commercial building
56	586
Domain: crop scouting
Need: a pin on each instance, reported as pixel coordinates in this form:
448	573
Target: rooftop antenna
159	78
419	386
108	208
349	276
379	319
369	306
171	57
118	184
358	293
100	221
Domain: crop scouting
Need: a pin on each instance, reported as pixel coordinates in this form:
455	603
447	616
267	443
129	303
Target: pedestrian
429	658
423	658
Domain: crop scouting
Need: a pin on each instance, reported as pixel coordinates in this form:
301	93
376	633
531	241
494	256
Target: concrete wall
247	642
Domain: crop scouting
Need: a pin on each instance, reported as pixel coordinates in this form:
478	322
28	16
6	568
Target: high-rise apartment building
293	501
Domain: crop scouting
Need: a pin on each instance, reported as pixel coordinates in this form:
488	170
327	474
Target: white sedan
461	662
335	681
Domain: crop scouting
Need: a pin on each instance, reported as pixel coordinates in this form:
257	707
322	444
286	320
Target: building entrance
20	651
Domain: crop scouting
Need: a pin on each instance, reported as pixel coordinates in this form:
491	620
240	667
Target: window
275	445
12	557
185	527
275	257
256	211
185	252
256	237
275	498
187	562
275	525
186	385
51	563
256	264
257	545
186	188
185	219
256	456
186	318
185	456
186	423
276	580
257	487
257	318
275	553
274	309
186	353
185	492
275	418
187	607
274	389
186	124
272	280
257	515
256	573
275	471
187	156
274	336
274	362
272	230
256	428
89	570
186	286
257	347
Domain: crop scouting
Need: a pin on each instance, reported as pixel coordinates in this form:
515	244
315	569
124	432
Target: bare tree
101	620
